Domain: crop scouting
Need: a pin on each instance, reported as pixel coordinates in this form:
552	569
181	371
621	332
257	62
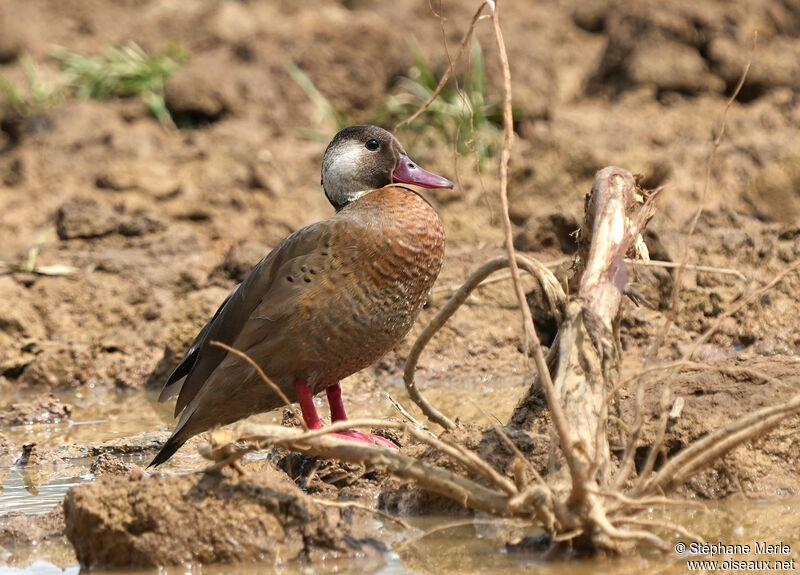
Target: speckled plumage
328	301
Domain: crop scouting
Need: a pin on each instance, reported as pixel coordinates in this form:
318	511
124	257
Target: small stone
139	225
773	191
233	22
672	66
155	178
109	464
192	95
79	219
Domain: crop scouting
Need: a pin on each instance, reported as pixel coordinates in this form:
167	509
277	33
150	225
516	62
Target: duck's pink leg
334	393
306	400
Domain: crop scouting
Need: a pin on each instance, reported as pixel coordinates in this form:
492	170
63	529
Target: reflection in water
17	496
59	460
479	548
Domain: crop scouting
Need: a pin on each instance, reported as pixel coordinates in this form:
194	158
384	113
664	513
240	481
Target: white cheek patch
346	161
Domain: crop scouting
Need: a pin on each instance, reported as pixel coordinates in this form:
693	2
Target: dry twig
450	69
466	491
692	267
664	525
670	319
550	287
712	446
263	377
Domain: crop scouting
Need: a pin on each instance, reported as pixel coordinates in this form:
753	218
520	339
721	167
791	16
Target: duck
329	300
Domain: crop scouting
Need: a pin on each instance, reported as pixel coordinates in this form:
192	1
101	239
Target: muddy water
474	549
431	547
102	418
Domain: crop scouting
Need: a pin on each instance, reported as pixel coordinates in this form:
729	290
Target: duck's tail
183	432
172	445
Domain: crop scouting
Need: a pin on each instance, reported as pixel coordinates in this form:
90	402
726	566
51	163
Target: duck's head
364	158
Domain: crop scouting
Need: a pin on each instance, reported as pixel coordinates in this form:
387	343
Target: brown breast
372	286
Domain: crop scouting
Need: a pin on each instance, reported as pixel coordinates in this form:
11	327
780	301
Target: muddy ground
160	223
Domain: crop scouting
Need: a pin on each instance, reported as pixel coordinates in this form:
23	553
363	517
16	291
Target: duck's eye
372	144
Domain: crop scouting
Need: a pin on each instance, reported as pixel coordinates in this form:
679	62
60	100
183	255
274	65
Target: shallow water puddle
475	548
66	449
127	422
22	494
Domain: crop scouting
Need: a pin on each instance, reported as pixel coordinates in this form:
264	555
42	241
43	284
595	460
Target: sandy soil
161	223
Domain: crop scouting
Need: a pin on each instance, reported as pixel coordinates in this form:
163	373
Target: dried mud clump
408	498
88	220
240	259
109	464
46	408
146	521
192	98
56	365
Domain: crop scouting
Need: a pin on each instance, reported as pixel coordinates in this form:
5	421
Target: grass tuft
462	107
333	119
34	99
121	72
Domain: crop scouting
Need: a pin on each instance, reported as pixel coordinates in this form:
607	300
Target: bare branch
696	268
532	345
458	452
602	523
665	525
465	491
702	452
626	464
550	287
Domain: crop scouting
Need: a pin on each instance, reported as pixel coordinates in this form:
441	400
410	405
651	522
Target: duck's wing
178	376
263	290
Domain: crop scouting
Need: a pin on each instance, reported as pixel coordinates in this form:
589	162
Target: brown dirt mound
146	521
